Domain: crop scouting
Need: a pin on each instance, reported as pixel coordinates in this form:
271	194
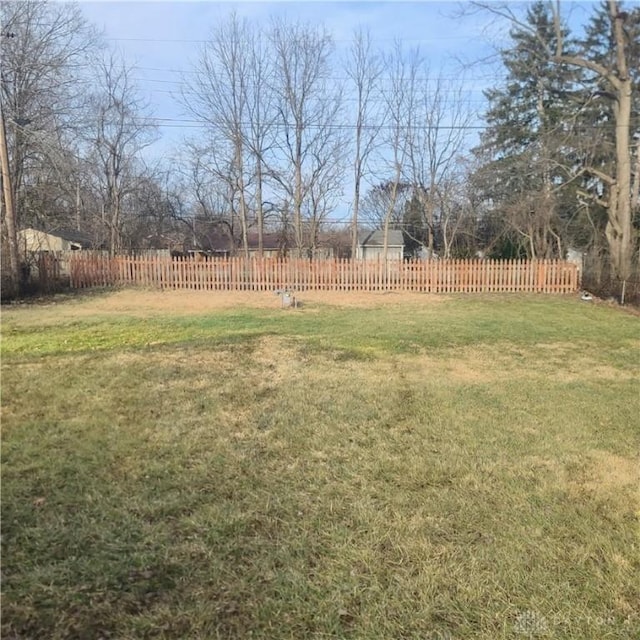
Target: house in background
281	245
35	240
371	245
42	255
274	245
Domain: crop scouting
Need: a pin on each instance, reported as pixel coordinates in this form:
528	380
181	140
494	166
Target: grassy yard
400	467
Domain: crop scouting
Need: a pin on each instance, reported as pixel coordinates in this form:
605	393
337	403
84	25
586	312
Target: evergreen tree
527	140
414	228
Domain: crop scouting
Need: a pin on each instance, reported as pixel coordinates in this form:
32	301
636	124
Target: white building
371	245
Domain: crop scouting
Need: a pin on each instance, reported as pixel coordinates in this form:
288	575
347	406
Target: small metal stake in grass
288	298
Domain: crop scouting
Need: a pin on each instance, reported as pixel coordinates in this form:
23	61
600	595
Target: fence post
234	274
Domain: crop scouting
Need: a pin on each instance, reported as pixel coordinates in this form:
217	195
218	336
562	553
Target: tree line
288	130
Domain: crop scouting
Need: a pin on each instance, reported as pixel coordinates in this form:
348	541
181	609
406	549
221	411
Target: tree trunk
259	209
430	225
635	190
78	205
10	213
356	191
297	200
387	220
243	202
114	241
619	230
354	220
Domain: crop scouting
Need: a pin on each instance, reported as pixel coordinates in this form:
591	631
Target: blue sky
161	39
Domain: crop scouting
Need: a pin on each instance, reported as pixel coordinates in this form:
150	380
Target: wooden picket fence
269	274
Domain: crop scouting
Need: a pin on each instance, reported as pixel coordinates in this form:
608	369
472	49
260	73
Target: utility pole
10	213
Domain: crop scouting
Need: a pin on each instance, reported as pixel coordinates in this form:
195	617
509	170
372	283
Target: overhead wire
439	38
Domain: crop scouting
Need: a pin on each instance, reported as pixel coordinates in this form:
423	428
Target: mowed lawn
182	466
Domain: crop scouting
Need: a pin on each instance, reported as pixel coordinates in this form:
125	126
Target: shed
274	245
34	240
371	245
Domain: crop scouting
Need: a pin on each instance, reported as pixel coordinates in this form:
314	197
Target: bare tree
363	69
308	106
530	217
453	213
42	47
211	185
118	130
325	185
460	210
382	201
261	121
441	117
219	93
402	70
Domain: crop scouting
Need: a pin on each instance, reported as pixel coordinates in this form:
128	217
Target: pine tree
414	227
526	141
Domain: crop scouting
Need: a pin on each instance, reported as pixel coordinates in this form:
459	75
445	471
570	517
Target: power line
373	103
182	87
250	83
487	76
338	126
443	38
330	78
192	123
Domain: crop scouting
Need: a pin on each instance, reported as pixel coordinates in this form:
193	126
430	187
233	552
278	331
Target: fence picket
269	274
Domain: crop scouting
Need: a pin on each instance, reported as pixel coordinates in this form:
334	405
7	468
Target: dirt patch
475	366
586	369
467	368
561	362
595	474
275	360
599	475
570	363
146	303
179	359
367	299
186	302
610	472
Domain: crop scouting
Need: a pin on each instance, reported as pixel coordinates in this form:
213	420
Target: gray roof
376	238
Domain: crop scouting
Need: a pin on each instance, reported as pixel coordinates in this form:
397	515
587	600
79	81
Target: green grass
465	468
